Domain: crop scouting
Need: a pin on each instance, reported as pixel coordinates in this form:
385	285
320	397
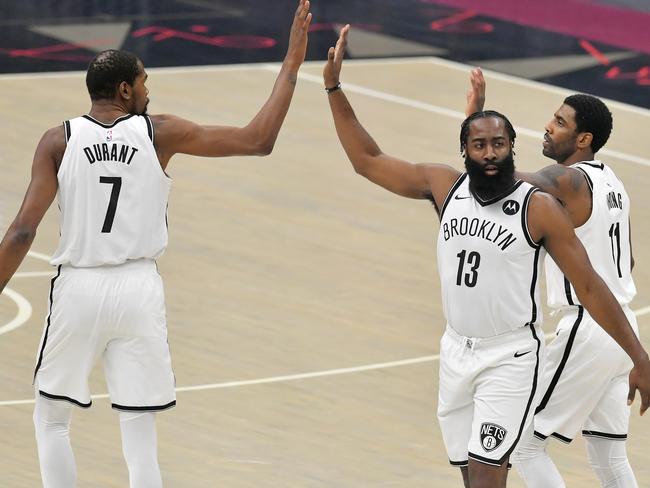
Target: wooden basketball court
303	302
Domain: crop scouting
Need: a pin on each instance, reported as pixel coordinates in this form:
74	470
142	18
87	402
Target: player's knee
529	449
608	459
487	476
50	416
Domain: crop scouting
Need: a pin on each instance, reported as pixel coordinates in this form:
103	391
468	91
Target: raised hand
476	94
335	55
298	37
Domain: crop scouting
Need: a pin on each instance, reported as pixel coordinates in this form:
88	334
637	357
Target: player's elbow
21	235
362	164
362	171
264	148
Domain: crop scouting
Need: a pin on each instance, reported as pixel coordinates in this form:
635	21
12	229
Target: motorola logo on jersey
510	207
492	436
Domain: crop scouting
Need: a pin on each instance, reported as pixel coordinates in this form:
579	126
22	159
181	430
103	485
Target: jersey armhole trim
150	130
453	189
67	130
524	218
589	182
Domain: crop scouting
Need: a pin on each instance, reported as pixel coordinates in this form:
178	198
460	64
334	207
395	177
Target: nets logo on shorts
492	436
510	207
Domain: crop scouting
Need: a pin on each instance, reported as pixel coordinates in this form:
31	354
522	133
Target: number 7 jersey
489	265
112	193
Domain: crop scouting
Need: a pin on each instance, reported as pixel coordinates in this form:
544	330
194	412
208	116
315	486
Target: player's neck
107	111
577	157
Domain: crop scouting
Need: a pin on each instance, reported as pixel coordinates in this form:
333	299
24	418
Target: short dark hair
464	128
592	116
108	70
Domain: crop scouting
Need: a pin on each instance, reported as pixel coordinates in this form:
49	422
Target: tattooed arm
568	185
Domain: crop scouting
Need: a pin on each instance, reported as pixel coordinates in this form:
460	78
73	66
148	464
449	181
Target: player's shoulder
165	119
167	125
54	138
543	204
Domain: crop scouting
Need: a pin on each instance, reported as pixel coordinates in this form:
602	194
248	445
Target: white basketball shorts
113	312
585	385
488	392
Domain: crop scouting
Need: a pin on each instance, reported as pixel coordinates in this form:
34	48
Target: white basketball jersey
112	193
605	236
489	265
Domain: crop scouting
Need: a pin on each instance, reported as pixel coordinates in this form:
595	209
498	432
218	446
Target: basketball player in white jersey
493	233
585	382
109	170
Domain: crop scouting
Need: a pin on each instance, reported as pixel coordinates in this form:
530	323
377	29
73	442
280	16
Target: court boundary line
24	306
298	376
432	108
349	62
24	311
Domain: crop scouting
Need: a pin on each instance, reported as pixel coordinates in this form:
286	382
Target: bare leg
483	475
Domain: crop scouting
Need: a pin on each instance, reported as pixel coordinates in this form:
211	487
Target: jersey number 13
468	268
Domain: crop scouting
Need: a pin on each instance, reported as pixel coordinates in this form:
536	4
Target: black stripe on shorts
47	327
562	438
145	408
533	390
65	398
460	464
563	361
604	435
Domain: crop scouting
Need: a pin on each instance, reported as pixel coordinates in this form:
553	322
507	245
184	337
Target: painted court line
24	311
24	307
301	376
275	67
349	62
456	114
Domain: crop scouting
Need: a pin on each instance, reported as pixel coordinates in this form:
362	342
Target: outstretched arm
548	222
401	177
476	92
38	198
568	185
177	135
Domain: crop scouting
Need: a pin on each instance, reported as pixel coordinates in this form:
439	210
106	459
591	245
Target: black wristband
334	88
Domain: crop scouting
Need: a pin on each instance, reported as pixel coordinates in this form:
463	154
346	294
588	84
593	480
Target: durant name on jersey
110	152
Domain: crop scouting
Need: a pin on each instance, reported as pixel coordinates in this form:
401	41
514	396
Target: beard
488	187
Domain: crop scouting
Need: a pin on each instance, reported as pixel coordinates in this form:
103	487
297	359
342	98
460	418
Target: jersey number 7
116	181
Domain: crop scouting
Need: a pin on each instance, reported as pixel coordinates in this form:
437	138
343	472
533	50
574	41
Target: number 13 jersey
488	263
112	193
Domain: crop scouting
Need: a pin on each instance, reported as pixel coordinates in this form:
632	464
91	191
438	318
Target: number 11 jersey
606	237
488	263
112	193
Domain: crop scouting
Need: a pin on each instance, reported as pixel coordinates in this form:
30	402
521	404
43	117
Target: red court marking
331	26
240	42
460	23
56	52
595	53
454	19
640	76
199	28
610	25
